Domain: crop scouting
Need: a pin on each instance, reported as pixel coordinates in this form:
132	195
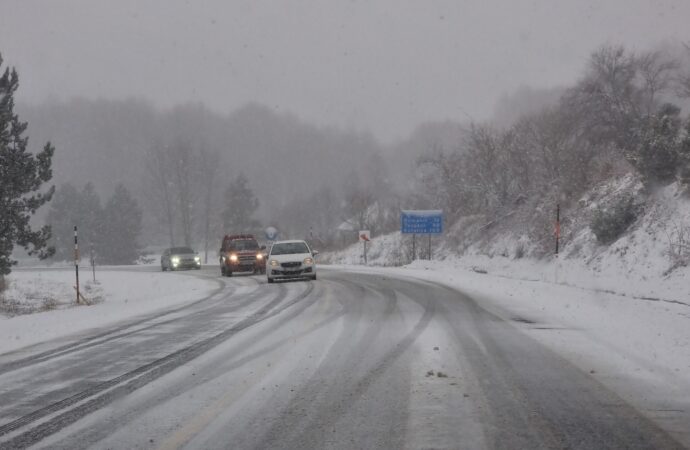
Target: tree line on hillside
619	116
284	159
192	175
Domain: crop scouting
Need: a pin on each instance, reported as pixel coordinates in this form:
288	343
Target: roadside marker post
557	229
557	234
364	237
76	260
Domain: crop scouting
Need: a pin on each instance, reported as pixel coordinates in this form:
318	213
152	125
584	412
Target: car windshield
289	248
244	244
180	250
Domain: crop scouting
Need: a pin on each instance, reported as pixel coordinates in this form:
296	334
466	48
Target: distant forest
627	112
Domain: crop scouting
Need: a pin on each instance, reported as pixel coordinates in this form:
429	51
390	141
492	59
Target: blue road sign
421	221
271	233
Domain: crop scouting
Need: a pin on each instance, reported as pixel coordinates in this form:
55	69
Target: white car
290	259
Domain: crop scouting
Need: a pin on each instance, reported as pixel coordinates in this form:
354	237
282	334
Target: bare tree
186	174
683	78
657	72
176	176
161	187
209	164
359	207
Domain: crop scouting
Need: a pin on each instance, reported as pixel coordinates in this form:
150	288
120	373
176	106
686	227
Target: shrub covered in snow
608	224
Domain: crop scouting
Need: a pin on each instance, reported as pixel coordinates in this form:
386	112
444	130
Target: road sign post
364	238
416	222
429	248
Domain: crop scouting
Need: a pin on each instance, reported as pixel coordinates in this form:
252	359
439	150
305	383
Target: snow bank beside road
119	295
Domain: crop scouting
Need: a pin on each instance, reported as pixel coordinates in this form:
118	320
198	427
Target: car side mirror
263	247
315	252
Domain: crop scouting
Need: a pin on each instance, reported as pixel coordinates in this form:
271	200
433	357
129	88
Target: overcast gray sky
381	65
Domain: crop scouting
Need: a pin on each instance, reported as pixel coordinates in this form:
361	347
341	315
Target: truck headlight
175	260
197	259
259	256
233	258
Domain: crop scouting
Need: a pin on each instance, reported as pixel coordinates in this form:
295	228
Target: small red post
76	260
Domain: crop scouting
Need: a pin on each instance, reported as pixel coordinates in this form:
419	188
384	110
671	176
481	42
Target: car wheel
162	268
270	280
228	273
313	278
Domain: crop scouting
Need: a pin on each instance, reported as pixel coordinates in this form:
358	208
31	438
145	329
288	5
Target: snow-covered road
368	359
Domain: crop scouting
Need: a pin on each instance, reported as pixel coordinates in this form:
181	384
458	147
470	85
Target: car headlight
259	256
175	260
197	259
233	258
308	261
274	263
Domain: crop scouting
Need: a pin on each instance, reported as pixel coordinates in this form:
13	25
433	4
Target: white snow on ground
639	348
117	295
620	312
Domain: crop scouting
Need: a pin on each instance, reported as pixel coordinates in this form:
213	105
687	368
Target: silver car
290	259
180	258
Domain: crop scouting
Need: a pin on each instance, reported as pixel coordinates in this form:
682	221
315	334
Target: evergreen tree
240	205
72	207
62	217
122	227
21	176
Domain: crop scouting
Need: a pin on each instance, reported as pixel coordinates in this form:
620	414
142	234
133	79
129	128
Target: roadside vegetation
187	176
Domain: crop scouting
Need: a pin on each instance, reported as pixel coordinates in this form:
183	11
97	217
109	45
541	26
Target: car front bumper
186	265
298	272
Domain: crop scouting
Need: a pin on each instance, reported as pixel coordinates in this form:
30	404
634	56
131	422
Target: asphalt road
349	361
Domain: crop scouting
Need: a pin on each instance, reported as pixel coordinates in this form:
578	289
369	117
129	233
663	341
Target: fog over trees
189	167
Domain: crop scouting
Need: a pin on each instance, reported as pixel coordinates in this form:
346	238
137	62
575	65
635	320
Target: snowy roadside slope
639	348
651	259
120	295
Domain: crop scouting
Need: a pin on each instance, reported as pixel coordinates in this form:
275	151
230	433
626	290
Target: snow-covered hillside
650	260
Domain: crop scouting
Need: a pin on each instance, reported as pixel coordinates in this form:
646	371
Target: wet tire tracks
134	379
